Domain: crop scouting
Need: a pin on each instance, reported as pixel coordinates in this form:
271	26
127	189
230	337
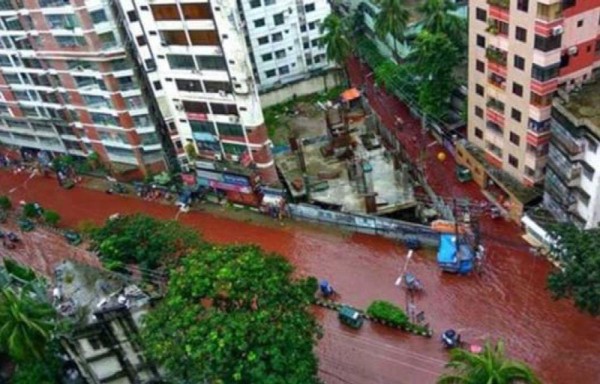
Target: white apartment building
572	184
284	39
68	86
197	61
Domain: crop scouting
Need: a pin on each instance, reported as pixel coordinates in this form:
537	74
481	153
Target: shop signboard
196	116
205	164
229	187
236	179
209	175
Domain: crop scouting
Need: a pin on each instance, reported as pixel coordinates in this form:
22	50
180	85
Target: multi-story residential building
68	86
284	39
520	53
196	60
572	184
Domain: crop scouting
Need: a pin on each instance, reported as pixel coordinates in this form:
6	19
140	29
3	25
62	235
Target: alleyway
507	301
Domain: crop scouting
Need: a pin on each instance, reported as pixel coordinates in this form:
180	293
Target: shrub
86	227
51	218
5	203
388	312
30	211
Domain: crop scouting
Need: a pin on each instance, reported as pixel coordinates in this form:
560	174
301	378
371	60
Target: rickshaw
26	225
351	317
73	237
463	174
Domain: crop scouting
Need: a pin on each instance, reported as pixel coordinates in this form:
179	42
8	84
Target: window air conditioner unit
235	158
222	93
234	119
218	157
558	30
572	50
80	68
179	106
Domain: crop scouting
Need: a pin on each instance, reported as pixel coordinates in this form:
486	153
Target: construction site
336	161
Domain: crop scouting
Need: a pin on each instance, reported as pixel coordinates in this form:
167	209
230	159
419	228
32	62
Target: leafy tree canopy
579	253
143	240
491	366
434	58
233	314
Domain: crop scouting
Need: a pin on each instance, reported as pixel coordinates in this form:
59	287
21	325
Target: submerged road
507	301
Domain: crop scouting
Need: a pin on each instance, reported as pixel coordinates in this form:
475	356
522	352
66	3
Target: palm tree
26	325
336	40
491	366
437	19
392	19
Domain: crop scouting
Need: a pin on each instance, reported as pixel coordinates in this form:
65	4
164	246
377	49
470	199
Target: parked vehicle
26	225
351	317
73	237
326	288
451	339
463	174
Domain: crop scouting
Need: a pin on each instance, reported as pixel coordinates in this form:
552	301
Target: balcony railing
505	4
497	56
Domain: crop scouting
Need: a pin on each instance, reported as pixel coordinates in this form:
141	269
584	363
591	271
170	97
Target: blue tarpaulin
452	261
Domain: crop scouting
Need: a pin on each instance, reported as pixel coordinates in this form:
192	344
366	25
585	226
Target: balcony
495	116
499	9
559	192
497	81
496	56
567	171
544	87
565	141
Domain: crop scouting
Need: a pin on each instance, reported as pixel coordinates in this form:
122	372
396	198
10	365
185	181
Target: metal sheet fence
372	225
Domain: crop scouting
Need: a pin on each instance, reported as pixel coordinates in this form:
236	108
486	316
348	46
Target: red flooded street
507	301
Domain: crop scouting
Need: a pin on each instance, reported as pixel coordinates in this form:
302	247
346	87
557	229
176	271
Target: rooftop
584	106
80	291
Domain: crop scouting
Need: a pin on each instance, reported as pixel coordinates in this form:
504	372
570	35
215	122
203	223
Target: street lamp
408	298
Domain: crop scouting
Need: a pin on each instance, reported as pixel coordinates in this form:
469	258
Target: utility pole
408	296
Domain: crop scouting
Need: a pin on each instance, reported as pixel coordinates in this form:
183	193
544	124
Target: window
479	89
481	14
278	19
204	37
216	63
277	37
580	23
588	172
5	61
132	16
591	145
254	3
545	73
517	89
108	40
173	38
157	85
513	161
141	40
259	23
270	73
309	7
98	16
269	2
203	127
227	129
104	119
514	138
62	21
217	86
519	62
263	40
95	343
480	66
546	44
280	54
165	12
523	5
480	41
478	133
181	62
521	34
197	11
70	41
188	85
284	70
267	57
141	121
516	115
479	112
223	109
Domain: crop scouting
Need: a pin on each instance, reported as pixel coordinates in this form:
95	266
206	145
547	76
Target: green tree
392	20
5	203
491	366
233	314
336	40
26	325
434	58
45	371
143	240
51	218
579	278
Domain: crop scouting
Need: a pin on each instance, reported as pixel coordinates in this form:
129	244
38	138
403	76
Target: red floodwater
507	301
